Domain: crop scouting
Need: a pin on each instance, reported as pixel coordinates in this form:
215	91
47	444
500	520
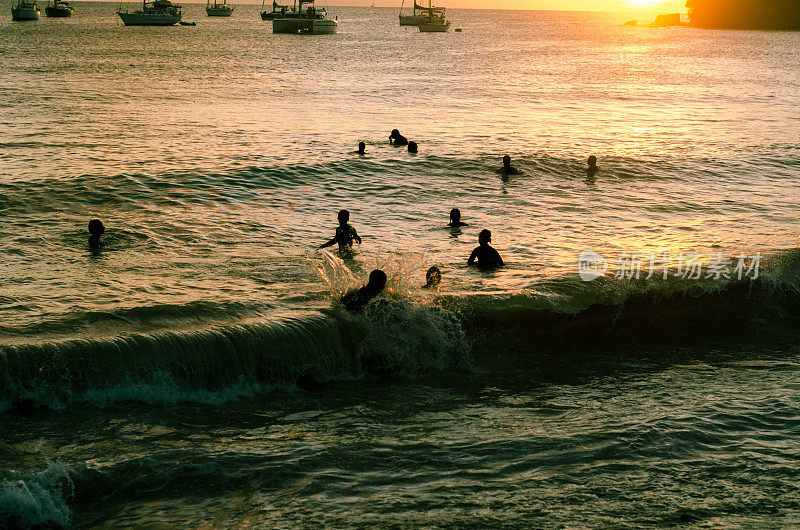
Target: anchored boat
59	9
419	14
156	13
434	21
278	11
306	20
218	10
25	10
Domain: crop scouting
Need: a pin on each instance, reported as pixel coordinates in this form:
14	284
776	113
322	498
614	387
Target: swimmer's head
395	133
361	147
506	161
412	147
377	280
485	237
344	217
433	277
96	227
455	215
592	161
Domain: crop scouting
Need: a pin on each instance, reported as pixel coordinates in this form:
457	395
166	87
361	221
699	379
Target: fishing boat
419	14
434	21
156	13
306	19
218	10
25	10
278	11
59	8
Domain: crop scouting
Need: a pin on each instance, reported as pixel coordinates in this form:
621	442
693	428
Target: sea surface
197	369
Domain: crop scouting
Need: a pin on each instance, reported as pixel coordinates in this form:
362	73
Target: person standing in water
362	149
397	139
96	229
592	168
487	257
356	299
507	168
345	234
455	219
412	147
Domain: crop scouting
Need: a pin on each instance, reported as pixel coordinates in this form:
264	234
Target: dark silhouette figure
455	218
362	148
412	147
345	234
487	256
96	229
507	168
356	299
592	168
433	278
397	139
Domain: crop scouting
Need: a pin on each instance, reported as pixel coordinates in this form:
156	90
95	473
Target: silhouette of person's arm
471	260
329	243
355	235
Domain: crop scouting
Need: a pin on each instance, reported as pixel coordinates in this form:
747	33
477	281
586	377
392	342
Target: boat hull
434	28
305	26
58	11
139	19
411	20
25	13
219	11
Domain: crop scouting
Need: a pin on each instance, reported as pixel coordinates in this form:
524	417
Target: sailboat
25	10
155	13
311	21
59	8
278	11
419	14
218	10
434	21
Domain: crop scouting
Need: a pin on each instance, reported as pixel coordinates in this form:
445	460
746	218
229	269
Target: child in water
356	299
345	234
507	168
96	229
433	278
397	139
455	218
487	256
592	168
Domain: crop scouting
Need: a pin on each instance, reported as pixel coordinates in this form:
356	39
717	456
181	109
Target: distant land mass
745	14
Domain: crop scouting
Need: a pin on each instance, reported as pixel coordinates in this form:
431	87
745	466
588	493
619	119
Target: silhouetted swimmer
362	148
487	256
507	168
355	300
345	234
397	139
592	169
412	147
96	229
455	218
433	278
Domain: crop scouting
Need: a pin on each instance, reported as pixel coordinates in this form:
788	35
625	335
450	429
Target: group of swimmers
398	140
484	256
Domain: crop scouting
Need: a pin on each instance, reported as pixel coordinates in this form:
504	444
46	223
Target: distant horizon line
395	6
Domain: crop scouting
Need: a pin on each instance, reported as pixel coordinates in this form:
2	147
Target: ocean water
197	370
